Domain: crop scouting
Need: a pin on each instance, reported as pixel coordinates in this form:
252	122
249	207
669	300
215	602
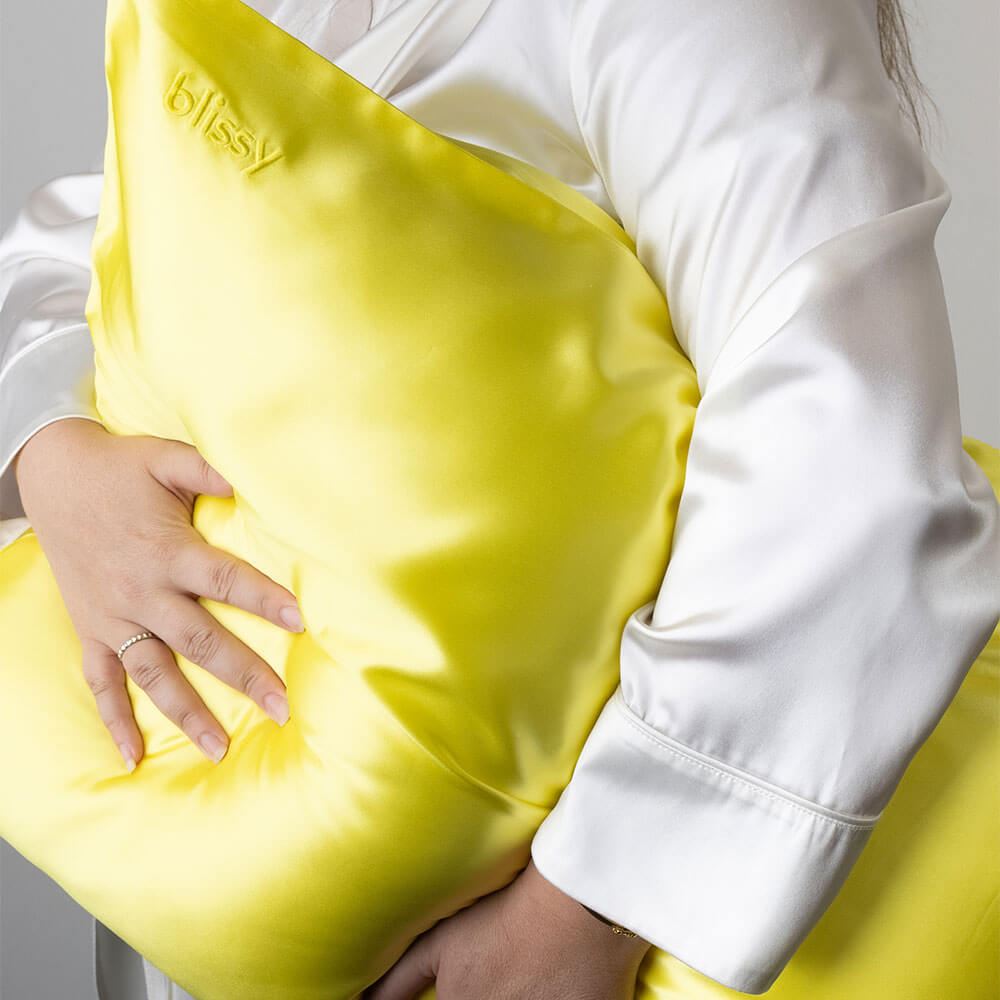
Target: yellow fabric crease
464	457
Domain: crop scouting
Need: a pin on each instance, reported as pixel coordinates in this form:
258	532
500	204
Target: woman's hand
528	939
112	514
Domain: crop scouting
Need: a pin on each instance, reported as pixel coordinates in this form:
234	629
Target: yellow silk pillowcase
455	417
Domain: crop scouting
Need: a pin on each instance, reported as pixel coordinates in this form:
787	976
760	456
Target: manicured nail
276	706
291	616
127	754
213	747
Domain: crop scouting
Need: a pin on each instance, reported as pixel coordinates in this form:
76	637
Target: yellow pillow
456	418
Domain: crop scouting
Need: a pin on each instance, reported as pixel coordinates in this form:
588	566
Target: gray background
53	118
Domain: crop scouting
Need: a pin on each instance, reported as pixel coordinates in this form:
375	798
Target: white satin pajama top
836	559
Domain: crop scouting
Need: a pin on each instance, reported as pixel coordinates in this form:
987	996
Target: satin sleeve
46	352
834	567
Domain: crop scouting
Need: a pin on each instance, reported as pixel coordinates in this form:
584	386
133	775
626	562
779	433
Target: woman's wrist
42	437
620	939
615	928
627	948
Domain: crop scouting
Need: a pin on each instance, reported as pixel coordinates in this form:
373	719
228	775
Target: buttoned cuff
722	870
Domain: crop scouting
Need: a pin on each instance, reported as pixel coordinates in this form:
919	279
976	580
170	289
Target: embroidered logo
236	139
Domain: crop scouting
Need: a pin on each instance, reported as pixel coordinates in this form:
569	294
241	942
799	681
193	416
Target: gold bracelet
615	928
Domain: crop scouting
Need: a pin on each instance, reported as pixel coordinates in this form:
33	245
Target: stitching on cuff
853	824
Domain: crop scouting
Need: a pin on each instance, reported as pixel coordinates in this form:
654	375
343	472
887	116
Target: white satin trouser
121	973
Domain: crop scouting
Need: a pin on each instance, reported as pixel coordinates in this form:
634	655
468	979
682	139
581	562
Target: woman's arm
834	565
113	512
46	353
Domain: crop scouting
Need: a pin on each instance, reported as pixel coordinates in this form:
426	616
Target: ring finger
199	636
151	664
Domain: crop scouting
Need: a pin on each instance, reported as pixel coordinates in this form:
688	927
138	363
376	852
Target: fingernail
276	706
214	748
127	754
291	616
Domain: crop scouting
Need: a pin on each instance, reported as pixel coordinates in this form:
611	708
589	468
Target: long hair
894	42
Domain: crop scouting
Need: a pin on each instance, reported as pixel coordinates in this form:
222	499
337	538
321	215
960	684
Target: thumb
179	465
416	969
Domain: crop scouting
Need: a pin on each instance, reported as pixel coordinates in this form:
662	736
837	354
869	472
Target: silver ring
128	642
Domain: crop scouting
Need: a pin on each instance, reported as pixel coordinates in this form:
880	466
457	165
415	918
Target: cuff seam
852	823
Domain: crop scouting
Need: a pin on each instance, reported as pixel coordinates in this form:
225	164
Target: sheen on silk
465	460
